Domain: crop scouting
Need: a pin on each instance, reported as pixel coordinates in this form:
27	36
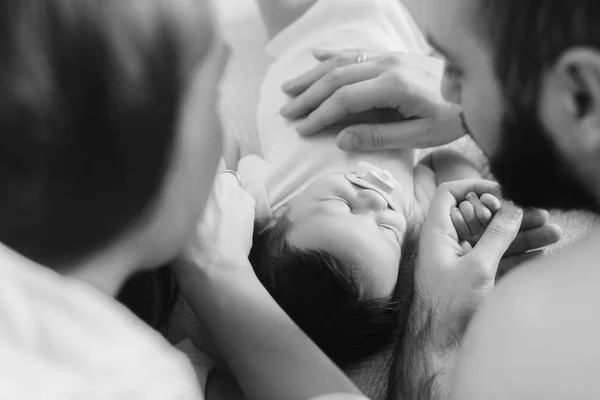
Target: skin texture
353	224
535	337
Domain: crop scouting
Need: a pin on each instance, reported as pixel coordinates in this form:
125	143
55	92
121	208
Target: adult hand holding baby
217	279
451	280
347	83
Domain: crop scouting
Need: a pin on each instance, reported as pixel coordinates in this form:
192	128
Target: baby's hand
472	217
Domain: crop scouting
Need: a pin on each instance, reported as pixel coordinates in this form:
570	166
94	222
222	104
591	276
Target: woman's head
332	296
96	128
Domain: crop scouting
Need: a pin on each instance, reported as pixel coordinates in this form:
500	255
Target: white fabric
61	339
289	162
202	363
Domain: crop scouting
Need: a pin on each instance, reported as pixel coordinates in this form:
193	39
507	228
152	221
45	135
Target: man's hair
528	37
325	300
90	98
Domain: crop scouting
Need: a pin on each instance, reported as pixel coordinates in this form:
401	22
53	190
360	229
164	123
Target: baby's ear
268	217
263	213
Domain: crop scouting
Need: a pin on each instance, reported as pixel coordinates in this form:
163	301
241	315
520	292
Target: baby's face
353	224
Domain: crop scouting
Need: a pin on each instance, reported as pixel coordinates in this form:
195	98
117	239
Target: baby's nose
372	200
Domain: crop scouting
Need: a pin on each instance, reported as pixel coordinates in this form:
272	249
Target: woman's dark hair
91	94
151	296
324	300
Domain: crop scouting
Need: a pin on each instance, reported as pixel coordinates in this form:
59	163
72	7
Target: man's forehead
452	27
449	17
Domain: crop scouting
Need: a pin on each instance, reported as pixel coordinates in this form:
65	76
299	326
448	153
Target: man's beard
531	170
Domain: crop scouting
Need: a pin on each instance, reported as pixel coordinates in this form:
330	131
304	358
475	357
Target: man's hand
472	217
406	85
449	281
449	285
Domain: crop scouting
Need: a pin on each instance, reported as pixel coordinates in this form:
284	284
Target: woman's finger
532	239
323	88
329	61
348	100
227	181
298	85
324	55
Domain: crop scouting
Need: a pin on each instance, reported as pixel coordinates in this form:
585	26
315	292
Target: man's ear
570	101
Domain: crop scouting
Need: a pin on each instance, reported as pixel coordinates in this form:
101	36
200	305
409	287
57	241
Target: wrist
424	357
428	323
227	272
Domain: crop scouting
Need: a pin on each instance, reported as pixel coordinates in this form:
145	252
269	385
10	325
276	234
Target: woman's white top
61	339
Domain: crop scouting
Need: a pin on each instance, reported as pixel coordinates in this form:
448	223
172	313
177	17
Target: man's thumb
500	233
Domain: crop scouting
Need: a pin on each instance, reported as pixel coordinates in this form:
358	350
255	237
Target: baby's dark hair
324	300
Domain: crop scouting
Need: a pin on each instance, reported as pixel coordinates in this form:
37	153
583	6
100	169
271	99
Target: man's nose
371	200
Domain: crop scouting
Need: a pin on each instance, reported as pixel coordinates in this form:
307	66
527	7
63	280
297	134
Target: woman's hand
224	235
270	357
408	85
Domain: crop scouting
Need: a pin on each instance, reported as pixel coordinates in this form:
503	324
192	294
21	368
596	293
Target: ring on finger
361	57
235	174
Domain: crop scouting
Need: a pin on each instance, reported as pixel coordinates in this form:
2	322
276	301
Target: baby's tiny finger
484	215
466	247
491	202
462	229
468	212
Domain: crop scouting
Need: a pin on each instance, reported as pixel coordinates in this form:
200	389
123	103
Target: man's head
107	131
327	300
527	75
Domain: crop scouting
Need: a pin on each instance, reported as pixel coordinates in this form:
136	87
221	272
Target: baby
332	233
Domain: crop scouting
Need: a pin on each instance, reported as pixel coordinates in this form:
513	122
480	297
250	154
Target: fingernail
302	129
470	195
320	53
285	110
511	211
347	141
